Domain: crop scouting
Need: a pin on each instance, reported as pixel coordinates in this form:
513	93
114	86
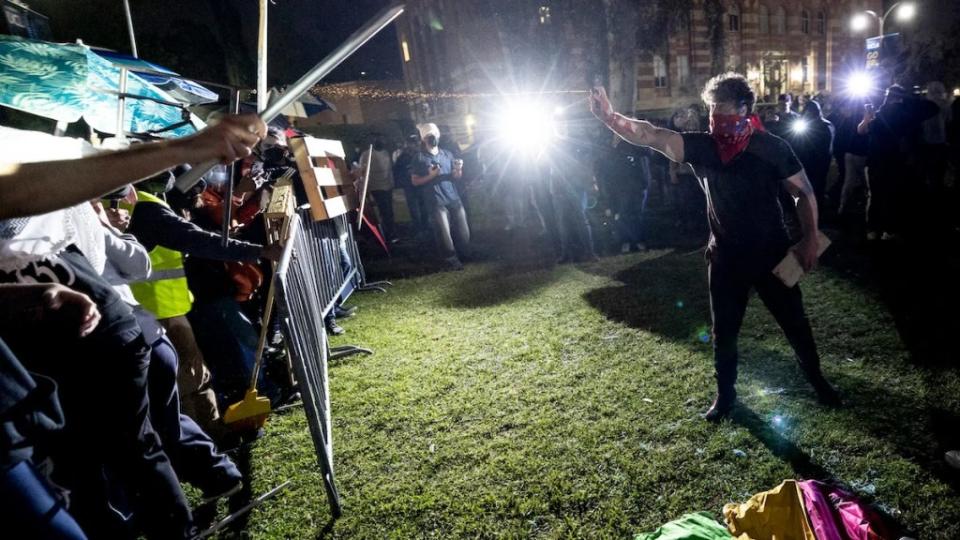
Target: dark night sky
181	34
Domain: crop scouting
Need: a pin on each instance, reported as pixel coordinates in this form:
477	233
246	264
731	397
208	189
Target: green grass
513	400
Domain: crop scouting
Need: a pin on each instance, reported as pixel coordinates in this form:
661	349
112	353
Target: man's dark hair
729	87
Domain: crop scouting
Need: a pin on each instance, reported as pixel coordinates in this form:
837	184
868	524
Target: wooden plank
323	147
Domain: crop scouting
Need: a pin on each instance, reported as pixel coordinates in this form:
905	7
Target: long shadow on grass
778	445
665	295
500	284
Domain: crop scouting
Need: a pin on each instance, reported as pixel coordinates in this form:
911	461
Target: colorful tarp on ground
807	510
65	82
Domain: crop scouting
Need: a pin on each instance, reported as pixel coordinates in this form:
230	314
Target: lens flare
528	126
860	85
800	126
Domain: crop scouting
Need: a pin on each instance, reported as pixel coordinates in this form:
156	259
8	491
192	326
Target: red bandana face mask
732	133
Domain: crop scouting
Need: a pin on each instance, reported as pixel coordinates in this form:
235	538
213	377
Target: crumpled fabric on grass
698	526
778	514
836	514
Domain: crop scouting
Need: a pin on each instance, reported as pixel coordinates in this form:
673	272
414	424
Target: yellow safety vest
165	292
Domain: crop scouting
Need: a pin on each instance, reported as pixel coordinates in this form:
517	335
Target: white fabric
428	129
381	170
25	240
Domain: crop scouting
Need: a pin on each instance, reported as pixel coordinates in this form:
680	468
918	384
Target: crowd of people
128	324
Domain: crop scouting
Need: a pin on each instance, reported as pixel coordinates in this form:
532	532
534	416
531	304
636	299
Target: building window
821	23
733	19
659	72
406	50
780	21
805	21
683	70
764	16
544	14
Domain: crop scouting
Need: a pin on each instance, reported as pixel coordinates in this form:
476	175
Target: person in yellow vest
168	237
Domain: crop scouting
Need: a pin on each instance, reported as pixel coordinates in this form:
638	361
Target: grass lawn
517	400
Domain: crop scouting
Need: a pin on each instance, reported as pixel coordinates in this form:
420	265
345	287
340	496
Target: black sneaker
453	263
827	395
722	407
333	328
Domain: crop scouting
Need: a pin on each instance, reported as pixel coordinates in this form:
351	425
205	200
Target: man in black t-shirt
434	170
742	170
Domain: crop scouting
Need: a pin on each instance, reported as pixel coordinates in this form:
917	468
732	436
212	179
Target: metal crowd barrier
300	276
320	267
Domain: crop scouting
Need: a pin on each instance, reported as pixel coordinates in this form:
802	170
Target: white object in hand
789	270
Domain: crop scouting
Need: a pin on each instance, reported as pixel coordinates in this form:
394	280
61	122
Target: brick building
459	55
782	46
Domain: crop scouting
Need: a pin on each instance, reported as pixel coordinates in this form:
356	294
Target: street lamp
905	11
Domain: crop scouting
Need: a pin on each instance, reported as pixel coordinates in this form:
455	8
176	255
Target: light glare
860	84
859	22
906	12
800	126
527	126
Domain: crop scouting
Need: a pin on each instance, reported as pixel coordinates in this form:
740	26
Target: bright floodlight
906	12
800	126
528	126
860	85
859	22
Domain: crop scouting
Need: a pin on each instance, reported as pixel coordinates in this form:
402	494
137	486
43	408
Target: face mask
732	133
431	141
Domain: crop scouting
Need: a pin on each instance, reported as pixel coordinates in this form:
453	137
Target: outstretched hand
600	105
233	138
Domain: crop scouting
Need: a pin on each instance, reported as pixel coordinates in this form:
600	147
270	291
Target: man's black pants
194	457
731	278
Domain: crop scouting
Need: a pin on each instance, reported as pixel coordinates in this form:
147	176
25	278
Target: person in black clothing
624	171
742	169
119	469
571	182
419	214
784	118
852	147
30	412
887	158
813	144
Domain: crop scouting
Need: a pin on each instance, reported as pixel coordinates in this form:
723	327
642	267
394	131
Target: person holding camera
434	170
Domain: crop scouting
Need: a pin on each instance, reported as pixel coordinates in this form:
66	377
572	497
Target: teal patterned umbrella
65	82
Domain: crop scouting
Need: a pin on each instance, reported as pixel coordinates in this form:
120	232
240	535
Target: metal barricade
320	267
300	276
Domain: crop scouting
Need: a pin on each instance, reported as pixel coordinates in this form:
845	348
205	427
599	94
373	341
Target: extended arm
36	188
154	224
637	132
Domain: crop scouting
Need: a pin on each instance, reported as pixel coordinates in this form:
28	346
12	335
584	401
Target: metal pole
121	133
133	37
228	189
262	59
309	79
